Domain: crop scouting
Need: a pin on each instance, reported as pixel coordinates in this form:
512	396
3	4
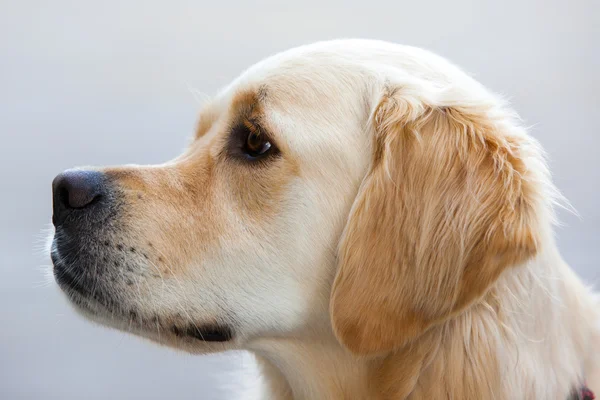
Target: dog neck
303	369
529	335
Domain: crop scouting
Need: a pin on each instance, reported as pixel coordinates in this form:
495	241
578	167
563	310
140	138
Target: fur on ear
447	205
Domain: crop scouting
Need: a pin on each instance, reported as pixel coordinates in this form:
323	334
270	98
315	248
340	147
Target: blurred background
111	82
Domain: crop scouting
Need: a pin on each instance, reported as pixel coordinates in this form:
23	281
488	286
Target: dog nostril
63	196
76	189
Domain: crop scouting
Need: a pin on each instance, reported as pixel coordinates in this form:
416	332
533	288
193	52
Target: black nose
75	190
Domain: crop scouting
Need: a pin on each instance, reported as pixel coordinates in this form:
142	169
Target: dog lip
72	284
205	333
64	278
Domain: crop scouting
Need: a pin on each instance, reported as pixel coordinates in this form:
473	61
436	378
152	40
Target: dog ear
447	205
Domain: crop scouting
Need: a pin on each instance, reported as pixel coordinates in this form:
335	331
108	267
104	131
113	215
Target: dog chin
98	304
192	338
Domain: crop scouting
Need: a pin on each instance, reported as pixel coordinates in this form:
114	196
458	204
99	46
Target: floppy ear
447	205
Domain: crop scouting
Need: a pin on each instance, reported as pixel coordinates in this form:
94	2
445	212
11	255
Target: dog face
356	162
232	240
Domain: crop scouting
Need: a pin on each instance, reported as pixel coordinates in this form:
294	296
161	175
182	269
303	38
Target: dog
363	217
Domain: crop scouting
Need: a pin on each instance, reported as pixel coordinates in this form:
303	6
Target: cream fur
529	330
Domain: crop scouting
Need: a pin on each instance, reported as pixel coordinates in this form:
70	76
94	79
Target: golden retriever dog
363	217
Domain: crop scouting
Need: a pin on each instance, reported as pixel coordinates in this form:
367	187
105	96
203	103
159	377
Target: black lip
205	333
75	284
65	278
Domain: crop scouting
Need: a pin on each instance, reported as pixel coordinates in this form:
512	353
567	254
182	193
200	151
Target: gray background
106	82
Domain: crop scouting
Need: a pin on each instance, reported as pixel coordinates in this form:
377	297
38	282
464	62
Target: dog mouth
96	302
77	286
205	333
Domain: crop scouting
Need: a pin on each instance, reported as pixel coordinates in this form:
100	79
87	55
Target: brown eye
256	144
248	142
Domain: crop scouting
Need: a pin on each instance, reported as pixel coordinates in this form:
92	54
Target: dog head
351	187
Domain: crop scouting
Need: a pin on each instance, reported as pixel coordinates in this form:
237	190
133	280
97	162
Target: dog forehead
348	62
321	66
302	93
317	99
337	78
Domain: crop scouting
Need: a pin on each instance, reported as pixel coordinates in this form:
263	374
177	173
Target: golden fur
454	209
399	247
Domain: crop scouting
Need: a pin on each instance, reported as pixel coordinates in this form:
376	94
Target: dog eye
256	144
249	142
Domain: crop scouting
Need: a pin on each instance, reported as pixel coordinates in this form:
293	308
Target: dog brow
208	115
247	103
